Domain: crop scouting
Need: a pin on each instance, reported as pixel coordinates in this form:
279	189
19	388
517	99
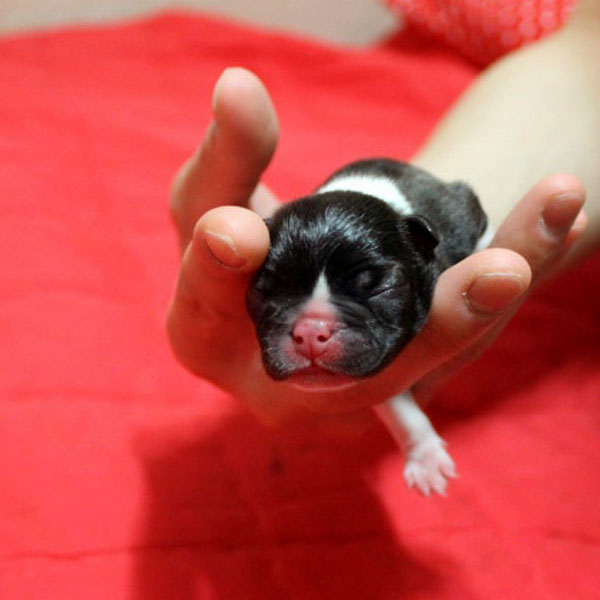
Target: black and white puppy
348	282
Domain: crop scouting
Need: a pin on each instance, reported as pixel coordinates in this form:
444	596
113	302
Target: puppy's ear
423	234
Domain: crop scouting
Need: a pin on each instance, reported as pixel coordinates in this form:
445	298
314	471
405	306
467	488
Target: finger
572	251
229	243
577	229
469	299
542	228
237	147
545	223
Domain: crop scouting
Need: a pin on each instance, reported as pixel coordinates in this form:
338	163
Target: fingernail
560	212
492	292
223	249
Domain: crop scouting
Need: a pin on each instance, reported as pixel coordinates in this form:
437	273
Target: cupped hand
218	207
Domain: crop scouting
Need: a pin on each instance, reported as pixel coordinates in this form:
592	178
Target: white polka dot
510	38
548	19
528	29
526	9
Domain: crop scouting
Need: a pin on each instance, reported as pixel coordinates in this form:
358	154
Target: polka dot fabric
484	30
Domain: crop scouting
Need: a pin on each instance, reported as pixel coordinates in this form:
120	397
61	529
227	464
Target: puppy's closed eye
364	281
372	282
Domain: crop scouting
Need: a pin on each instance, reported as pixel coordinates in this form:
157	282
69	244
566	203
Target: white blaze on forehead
372	185
319	301
321	289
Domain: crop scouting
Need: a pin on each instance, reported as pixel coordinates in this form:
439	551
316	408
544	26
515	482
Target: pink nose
311	336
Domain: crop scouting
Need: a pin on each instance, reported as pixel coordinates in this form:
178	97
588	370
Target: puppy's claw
429	466
449	470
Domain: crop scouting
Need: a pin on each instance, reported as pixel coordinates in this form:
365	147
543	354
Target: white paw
428	466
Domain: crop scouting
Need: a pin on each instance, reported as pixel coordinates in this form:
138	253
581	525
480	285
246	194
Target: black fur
380	266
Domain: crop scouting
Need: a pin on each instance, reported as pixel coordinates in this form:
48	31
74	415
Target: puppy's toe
428	467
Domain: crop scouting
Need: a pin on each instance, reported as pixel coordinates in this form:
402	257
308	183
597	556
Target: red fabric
484	30
123	477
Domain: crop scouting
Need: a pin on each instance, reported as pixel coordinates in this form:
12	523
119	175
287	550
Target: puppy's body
348	283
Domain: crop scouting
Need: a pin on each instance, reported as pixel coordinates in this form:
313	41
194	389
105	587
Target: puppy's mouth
317	379
335	369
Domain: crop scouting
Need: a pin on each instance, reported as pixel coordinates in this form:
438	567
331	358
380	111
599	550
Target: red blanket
122	477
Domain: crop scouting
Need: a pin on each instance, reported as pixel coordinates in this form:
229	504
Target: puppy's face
346	284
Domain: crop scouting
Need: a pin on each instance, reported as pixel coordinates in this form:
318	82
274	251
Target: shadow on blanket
248	512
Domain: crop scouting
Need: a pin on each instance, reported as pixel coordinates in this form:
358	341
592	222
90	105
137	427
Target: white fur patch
372	185
319	301
321	290
486	239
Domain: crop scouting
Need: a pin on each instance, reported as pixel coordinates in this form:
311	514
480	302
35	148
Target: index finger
207	317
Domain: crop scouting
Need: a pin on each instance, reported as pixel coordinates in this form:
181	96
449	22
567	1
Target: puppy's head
346	284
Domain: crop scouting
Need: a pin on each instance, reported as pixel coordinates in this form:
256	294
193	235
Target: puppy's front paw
428	466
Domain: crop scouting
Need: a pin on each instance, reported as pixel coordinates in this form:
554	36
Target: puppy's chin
316	379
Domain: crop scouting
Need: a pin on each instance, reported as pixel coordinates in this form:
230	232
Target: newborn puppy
348	282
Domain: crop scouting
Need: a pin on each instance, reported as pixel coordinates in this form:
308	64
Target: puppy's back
452	208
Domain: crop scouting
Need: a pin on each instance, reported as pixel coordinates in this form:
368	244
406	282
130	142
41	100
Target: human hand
541	228
223	243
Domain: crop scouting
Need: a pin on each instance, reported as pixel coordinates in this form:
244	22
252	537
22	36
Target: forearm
534	113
